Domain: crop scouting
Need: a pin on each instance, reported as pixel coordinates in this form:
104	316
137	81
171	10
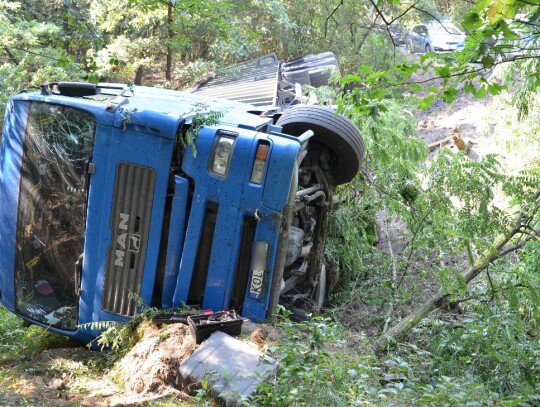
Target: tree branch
331	16
380	13
415	233
440	300
10	54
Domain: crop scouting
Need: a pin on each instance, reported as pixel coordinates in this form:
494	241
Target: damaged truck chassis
105	202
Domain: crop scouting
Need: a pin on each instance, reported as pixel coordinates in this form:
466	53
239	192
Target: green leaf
426	102
442	71
487	60
480	92
482	4
468	87
93	77
495	88
416	87
377	93
63	62
471	21
376	75
406	70
365	69
449	95
509	10
515	402
351	78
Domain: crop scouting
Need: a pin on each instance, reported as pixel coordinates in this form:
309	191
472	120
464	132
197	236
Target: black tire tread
335	131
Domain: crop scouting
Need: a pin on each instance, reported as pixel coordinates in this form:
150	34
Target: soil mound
151	366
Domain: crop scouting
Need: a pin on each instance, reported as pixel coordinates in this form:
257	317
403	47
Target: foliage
197	118
308	374
494	348
29	54
16	339
394	156
189	74
317	369
121	336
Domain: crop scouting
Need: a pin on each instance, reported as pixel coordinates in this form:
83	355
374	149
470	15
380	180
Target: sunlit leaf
426	102
351	78
492	11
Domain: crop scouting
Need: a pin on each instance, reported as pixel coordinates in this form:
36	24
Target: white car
438	37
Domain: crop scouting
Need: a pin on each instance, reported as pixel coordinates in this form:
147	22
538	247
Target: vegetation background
444	309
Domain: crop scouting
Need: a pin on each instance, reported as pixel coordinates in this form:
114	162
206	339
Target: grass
16	341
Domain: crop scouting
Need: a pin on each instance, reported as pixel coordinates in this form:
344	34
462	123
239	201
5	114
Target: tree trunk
138	76
441	300
170	35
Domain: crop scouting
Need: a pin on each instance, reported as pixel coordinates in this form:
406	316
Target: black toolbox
202	326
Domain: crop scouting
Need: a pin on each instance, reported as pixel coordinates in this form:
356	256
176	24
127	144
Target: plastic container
202	326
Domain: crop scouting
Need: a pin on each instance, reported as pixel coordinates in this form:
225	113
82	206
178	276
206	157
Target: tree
29	53
454	206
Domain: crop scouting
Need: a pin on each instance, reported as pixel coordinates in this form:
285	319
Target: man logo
134	243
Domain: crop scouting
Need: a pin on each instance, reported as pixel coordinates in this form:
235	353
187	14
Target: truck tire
336	132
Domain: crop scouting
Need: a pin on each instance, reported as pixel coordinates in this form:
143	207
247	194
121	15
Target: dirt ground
144	376
68	376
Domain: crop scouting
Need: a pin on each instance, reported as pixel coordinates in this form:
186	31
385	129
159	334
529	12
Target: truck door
51	215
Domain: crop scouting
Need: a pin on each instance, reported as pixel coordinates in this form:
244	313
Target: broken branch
441	300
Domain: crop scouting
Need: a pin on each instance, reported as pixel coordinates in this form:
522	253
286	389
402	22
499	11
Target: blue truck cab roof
156	110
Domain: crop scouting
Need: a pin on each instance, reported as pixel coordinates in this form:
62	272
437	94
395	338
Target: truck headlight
221	155
260	162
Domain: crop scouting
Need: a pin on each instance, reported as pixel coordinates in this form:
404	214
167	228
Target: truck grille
130	223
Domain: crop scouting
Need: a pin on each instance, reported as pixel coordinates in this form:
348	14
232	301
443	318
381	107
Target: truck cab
113	197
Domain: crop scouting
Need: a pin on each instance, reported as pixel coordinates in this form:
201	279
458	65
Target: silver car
438	37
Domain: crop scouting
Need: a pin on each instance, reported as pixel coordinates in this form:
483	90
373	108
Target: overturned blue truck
111	196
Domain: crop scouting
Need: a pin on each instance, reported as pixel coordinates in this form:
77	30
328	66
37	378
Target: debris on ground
232	368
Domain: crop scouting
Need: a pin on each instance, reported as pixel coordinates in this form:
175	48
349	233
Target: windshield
446	28
52	213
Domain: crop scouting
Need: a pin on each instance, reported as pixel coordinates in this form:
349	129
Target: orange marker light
260	162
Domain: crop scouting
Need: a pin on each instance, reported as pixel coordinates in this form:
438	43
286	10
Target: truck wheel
336	132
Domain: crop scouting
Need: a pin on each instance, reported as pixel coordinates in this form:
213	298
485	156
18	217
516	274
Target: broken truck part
107	202
232	369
